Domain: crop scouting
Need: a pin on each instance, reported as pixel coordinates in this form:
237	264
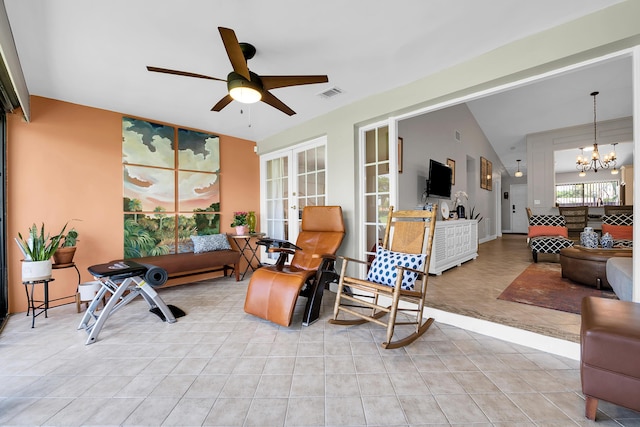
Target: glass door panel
376	186
292	179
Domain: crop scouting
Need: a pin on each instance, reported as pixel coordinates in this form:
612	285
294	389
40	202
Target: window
588	194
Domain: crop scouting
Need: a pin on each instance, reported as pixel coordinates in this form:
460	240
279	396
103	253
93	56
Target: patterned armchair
620	226
547	235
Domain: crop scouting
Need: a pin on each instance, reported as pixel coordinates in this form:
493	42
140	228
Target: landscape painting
171	188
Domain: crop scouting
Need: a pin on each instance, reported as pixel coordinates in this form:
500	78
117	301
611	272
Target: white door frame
292	188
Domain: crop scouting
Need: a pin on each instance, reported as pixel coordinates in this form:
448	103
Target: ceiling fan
246	86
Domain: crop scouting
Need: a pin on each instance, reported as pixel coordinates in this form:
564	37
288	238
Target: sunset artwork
170	179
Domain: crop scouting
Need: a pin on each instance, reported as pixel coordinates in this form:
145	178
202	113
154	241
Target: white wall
540	156
432	136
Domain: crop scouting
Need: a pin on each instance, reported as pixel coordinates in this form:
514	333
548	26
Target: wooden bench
192	267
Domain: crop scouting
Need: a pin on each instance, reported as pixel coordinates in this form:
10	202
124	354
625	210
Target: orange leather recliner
273	290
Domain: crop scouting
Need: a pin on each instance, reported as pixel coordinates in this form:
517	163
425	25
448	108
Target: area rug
542	285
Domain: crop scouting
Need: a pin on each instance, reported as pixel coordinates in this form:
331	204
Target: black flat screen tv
439	182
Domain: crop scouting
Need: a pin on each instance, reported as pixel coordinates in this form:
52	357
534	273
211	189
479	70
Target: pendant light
518	174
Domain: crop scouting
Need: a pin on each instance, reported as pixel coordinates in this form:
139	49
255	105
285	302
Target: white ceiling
94	53
553	103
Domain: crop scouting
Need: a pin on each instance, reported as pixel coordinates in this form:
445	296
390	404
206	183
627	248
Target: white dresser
454	242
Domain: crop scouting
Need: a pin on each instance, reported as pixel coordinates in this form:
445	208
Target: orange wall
67	164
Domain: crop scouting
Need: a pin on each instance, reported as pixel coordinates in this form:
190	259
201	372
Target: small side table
70	265
43	305
244	243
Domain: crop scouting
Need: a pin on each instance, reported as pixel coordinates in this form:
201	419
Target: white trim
290	152
635	67
393	176
511	85
518	336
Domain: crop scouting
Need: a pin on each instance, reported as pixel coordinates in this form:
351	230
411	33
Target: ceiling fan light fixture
243	90
245	94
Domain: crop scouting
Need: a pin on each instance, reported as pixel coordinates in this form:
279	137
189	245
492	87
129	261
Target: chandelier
594	162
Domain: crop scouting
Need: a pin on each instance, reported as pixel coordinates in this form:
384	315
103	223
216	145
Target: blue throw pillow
210	242
383	269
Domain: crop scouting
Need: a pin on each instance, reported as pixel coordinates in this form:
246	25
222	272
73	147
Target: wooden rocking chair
399	273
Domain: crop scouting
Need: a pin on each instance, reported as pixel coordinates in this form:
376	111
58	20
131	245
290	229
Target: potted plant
38	248
240	222
67	249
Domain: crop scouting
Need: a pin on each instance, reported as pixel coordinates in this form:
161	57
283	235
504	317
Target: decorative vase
461	213
241	230
589	238
64	255
36	270
251	219
606	241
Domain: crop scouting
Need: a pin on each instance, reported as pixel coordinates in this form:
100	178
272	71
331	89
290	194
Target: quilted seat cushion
549	244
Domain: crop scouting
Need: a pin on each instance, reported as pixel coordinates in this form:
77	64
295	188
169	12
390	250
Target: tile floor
218	366
473	290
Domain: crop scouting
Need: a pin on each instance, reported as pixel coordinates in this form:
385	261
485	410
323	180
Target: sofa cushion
548	230
624	232
210	242
619	275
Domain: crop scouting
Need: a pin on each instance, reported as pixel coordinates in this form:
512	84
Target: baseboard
557	346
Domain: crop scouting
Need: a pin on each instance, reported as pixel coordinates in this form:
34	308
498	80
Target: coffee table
588	265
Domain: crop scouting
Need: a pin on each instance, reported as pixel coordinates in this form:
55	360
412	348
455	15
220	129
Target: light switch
536	202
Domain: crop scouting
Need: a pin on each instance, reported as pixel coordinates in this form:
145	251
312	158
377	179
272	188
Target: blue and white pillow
210	242
383	269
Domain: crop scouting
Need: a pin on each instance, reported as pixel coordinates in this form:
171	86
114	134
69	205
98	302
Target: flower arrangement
458	198
240	218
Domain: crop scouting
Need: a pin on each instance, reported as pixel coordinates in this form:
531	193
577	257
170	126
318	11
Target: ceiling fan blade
182	73
222	103
268	98
234	52
272	82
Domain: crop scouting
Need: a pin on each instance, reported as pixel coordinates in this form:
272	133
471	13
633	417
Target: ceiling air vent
330	93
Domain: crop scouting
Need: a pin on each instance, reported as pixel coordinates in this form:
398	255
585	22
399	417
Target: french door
378	165
290	180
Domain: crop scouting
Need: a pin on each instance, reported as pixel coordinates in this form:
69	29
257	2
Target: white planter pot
36	270
88	290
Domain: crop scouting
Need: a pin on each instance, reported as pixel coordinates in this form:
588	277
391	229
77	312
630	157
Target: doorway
518	199
290	180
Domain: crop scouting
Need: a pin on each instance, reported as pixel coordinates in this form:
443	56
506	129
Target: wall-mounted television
439	182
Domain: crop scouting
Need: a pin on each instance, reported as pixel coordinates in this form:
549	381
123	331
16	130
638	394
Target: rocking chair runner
399	272
273	290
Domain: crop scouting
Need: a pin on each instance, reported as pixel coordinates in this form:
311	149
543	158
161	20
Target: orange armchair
273	290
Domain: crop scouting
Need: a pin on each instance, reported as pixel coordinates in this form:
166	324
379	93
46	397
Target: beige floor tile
220	366
460	408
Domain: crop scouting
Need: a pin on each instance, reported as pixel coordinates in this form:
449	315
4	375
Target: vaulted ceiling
95	53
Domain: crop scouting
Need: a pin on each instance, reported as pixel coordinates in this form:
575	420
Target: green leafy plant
475	215
69	239
39	246
240	218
